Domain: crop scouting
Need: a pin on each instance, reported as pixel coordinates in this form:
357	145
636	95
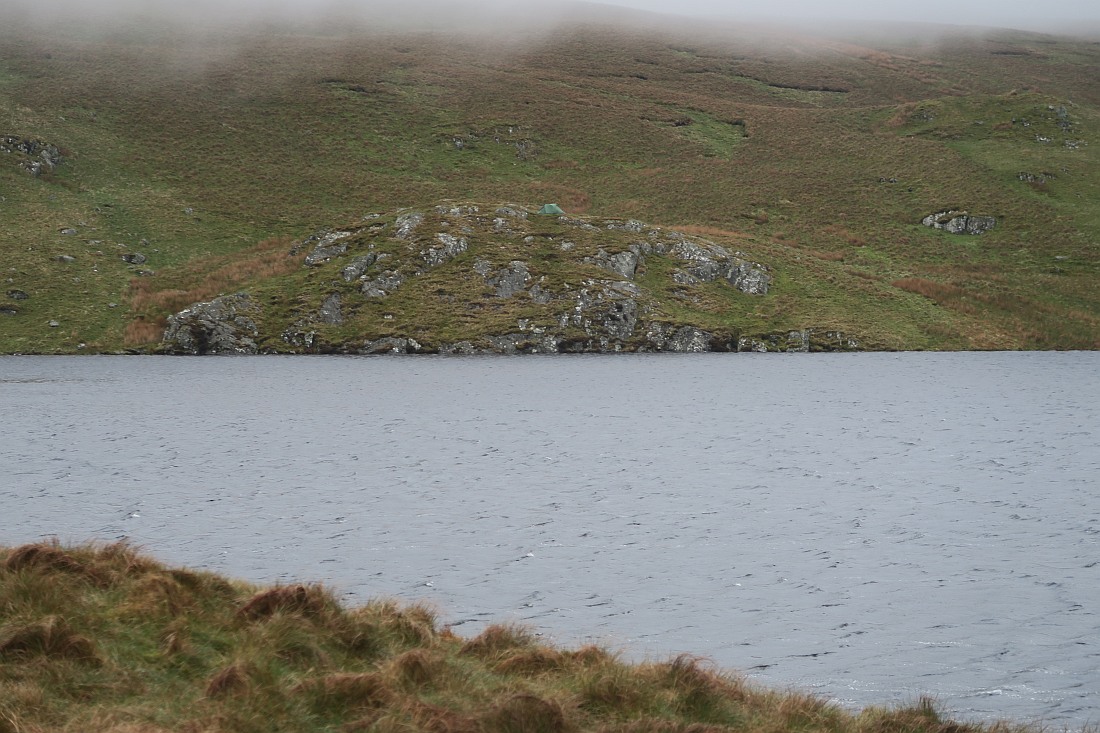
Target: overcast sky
1064	14
997	13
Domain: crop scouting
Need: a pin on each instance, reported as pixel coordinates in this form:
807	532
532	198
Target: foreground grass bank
103	638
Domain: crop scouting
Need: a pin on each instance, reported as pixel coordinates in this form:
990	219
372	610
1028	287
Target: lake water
868	527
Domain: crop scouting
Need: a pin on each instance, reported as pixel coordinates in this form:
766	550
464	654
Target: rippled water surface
870	527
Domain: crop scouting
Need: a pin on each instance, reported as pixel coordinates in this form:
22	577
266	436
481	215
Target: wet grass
102	637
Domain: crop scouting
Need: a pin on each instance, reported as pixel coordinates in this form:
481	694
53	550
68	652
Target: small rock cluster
34	156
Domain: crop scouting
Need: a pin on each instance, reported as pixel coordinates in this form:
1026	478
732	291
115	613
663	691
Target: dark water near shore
870	527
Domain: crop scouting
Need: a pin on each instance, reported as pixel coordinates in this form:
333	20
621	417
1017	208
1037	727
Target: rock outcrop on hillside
466	279
960	222
33	156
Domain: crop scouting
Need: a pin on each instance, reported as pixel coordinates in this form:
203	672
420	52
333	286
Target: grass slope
104	638
817	155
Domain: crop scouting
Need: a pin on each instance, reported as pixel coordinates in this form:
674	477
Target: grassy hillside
208	153
103	638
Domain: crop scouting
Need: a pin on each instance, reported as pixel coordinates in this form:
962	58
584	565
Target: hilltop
935	188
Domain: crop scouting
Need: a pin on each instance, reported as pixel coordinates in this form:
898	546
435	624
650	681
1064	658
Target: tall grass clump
102	637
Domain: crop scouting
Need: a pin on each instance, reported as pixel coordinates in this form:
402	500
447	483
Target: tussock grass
145	648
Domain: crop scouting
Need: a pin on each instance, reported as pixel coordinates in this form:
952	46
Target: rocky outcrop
505	282
34	156
225	325
960	222
804	340
326	245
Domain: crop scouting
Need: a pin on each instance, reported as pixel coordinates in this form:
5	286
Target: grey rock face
383	285
134	258
449	247
541	295
682	339
630	225
620	318
960	222
513	212
607	313
805	340
328	245
508	280
391	345
16	294
707	263
224	325
457	210
578	223
358	267
330	311
624	264
406	224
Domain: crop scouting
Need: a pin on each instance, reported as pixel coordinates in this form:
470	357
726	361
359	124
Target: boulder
960	222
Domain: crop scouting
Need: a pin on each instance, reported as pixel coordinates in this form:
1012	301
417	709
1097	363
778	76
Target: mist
1081	17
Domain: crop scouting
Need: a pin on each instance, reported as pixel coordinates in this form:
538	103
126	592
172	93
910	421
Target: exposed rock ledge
468	280
960	222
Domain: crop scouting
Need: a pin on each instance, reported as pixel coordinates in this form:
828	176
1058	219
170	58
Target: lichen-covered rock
708	262
960	222
447	247
225	325
391	345
407	223
331	312
327	245
624	264
803	340
682	339
34	156
384	284
358	267
506	281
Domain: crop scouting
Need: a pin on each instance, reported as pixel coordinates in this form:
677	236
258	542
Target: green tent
551	210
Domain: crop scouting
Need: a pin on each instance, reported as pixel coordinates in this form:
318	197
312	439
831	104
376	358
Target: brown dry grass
50	638
310	601
152	299
194	666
